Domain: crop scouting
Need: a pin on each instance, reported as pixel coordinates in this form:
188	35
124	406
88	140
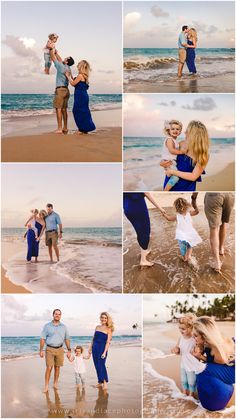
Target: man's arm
55	57
42	343
67	342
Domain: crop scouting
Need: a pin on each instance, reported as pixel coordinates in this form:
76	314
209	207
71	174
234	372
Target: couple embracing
187	43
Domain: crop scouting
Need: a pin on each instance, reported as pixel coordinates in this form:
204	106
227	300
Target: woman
192	45
136	211
192	164
215	383
99	348
81	112
35	223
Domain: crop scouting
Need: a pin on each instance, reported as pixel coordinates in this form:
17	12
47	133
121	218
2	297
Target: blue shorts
188	380
47	60
183	246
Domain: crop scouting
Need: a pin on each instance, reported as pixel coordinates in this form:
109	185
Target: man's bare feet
222	251
55	386
65	131
58	131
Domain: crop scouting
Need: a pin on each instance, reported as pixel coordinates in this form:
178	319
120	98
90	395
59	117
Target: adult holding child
35	229
81	111
99	347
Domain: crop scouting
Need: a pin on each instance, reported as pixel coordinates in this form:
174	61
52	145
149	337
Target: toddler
186	234
31	222
79	365
52	39
170	150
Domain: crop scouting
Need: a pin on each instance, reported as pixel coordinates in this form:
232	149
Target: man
218	208
54	334
182	45
62	92
52	221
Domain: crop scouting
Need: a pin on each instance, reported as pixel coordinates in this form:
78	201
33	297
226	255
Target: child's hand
103	355
163	211
175	350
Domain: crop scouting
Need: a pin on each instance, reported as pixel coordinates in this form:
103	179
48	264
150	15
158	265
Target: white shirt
185	230
79	364
166	155
188	361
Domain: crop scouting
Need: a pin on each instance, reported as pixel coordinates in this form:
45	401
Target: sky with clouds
25	315
87	30
84	195
144	115
157	24
157	304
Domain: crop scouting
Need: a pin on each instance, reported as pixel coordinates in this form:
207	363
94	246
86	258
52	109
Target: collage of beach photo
118	209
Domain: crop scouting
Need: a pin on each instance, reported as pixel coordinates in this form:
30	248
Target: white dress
185	230
166	155
188	361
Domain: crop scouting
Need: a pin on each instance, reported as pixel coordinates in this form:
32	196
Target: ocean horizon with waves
90	261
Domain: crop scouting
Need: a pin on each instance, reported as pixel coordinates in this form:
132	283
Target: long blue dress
136	211
184	164
99	343
81	112
33	245
215	384
190	58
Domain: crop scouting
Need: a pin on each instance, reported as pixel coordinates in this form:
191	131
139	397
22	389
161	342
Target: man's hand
41	353
60	235
68	354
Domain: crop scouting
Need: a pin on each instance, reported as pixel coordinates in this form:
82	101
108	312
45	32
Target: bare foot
78	133
222	251
65	131
58	131
45	390
98	385
216	266
146	263
28	261
104	386
55	386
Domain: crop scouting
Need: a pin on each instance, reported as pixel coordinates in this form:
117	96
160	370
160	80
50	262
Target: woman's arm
154	202
109	337
194	175
91	344
75	81
42	231
29	220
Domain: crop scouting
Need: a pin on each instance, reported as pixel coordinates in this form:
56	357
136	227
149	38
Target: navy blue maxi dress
190	58
215	384
81	112
99	344
136	211
184	164
33	245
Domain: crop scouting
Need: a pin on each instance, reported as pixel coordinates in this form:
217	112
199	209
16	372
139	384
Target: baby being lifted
170	150
50	45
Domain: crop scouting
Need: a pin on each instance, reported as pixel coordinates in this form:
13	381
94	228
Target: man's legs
59	121
180	69
65	118
50	252
47	378
56	251
222	237
56	376
215	246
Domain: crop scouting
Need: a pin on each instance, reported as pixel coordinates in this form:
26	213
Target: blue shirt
182	40
52	220
55	335
61	79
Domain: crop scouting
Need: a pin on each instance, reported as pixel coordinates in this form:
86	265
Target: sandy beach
169	273
123	398
162	396
222	181
31	139
189	84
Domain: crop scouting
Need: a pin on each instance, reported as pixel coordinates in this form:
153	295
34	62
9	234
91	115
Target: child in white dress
186	234
79	365
50	45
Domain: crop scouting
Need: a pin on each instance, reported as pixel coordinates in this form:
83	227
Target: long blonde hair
206	327
198	142
192	34
110	323
84	69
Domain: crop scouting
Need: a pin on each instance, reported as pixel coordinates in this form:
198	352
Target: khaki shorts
61	98
218	207
51	238
54	357
182	55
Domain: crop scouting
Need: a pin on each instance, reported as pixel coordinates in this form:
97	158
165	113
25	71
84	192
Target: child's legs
184	379
82	378
189	252
182	247
77	378
173	179
47	60
191	377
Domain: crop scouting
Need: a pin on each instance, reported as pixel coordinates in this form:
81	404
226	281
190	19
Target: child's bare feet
216	266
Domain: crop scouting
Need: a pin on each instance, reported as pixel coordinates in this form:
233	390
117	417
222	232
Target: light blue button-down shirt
182	40
61	79
52	220
55	335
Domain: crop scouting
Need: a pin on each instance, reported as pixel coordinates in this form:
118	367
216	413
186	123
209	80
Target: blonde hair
206	327
110	323
35	211
168	124
43	213
84	69
192	34
51	36
181	205
198	142
188	320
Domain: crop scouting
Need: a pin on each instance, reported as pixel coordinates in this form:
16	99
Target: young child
184	347
31	222
52	39
186	234
79	365
170	150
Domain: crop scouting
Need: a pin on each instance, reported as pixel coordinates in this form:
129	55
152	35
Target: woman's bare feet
98	385
143	260
104	386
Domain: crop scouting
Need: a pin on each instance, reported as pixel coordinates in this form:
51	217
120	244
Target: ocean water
160	64
90	257
21	105
142	156
28	346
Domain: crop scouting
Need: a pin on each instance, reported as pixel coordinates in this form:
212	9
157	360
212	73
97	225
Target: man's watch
61	232
69	349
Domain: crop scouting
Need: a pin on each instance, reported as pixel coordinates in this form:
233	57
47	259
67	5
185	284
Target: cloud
131	19
229	127
13	310
205	29
106	71
201	104
171	103
158	12
22	47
